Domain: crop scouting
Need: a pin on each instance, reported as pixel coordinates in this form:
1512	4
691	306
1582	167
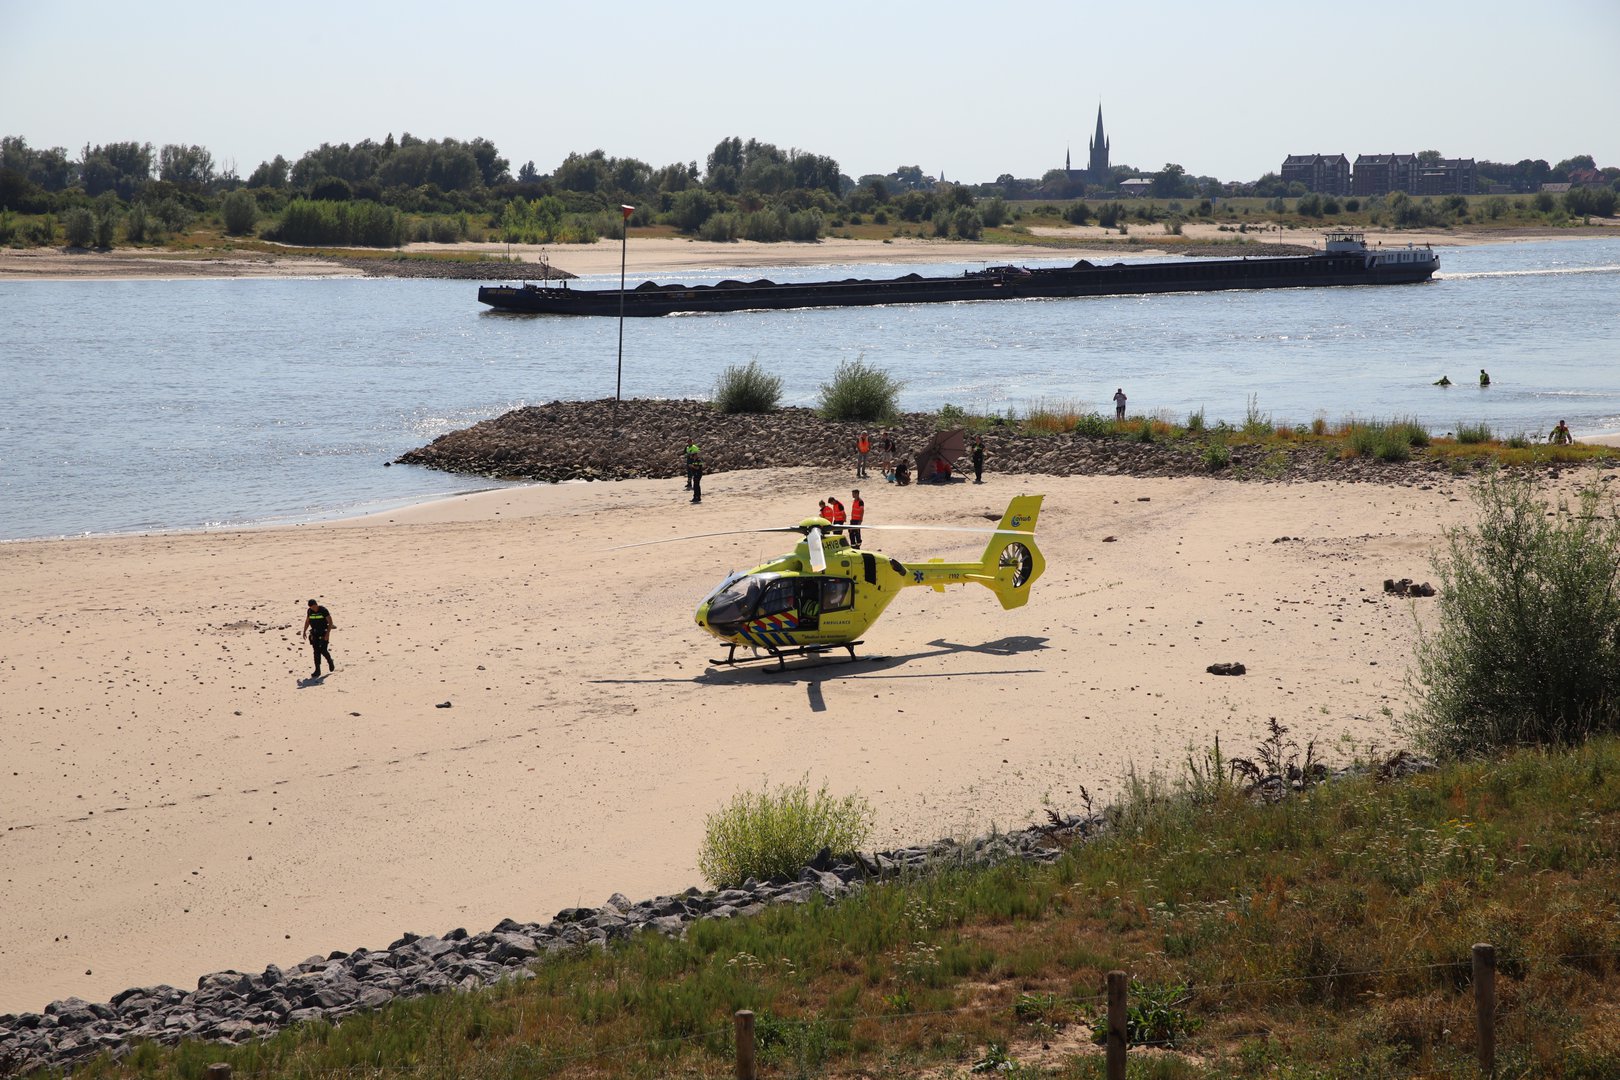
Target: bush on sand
768	833
1526	648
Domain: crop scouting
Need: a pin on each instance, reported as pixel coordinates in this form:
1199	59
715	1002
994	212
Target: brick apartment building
1328	174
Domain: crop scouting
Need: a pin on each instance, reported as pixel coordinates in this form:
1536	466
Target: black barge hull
996	283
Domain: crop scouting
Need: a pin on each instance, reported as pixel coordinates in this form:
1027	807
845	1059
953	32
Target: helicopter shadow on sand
875	666
869	666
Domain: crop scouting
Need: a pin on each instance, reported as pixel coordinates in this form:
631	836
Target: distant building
1324	173
1449	176
1380	174
1140	186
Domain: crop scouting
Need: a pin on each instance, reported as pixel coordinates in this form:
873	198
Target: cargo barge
1345	260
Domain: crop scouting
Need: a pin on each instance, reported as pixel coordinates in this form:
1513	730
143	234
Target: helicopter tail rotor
1011	558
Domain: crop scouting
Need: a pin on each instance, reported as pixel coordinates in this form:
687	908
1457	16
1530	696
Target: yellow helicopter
825	593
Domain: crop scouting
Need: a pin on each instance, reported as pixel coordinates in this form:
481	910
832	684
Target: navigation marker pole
624	251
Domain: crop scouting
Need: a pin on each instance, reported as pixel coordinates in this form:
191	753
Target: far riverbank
647	255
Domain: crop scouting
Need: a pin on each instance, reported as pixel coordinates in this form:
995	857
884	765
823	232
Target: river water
147	405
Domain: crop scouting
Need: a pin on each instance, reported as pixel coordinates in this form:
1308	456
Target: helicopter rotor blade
708	536
942	528
818	554
801	530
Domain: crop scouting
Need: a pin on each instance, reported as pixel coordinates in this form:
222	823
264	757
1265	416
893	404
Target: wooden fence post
745	1044
1485	1005
1117	984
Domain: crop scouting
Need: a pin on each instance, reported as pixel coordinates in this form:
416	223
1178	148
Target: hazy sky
970	90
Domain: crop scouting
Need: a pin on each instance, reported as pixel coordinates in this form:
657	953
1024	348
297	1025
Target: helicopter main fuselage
826	593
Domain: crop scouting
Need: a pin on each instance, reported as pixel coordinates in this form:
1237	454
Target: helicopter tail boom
1009	566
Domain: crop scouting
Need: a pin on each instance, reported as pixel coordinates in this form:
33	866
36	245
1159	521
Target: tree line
384	193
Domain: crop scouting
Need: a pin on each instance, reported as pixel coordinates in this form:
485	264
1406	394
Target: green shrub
173	215
106	231
1473	434
764	227
138	225
1389	445
1195	421
1094	425
362	223
1217	456
1144	432
1409	431
770	834
1526	648
747	388
719	228
1154	1014
79	227
239	211
859	391
41	231
1518	441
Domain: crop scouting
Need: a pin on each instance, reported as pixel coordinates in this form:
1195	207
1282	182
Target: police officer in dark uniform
317	625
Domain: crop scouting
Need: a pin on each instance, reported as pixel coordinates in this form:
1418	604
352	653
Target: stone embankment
232	1006
593	440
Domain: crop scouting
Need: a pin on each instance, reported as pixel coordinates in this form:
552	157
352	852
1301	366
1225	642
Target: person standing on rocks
863	447
978	459
317	626
857	514
1119	403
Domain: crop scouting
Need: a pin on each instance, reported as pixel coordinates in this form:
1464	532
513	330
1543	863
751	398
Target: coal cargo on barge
1345	260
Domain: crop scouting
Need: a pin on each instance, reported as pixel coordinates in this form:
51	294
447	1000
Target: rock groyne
594	440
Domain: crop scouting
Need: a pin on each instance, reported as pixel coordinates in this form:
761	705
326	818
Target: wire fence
741	1037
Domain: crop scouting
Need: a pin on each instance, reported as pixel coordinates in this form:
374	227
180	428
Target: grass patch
769	834
1265	939
1045	417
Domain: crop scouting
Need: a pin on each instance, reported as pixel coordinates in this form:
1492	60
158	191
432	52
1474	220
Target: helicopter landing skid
781	656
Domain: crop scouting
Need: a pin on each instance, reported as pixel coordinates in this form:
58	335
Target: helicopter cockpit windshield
735	602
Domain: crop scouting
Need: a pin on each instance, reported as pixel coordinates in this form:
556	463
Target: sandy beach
181	799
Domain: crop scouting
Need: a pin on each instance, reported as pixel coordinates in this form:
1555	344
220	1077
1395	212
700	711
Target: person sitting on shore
1560	436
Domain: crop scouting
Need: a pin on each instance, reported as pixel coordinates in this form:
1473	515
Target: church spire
1097	167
